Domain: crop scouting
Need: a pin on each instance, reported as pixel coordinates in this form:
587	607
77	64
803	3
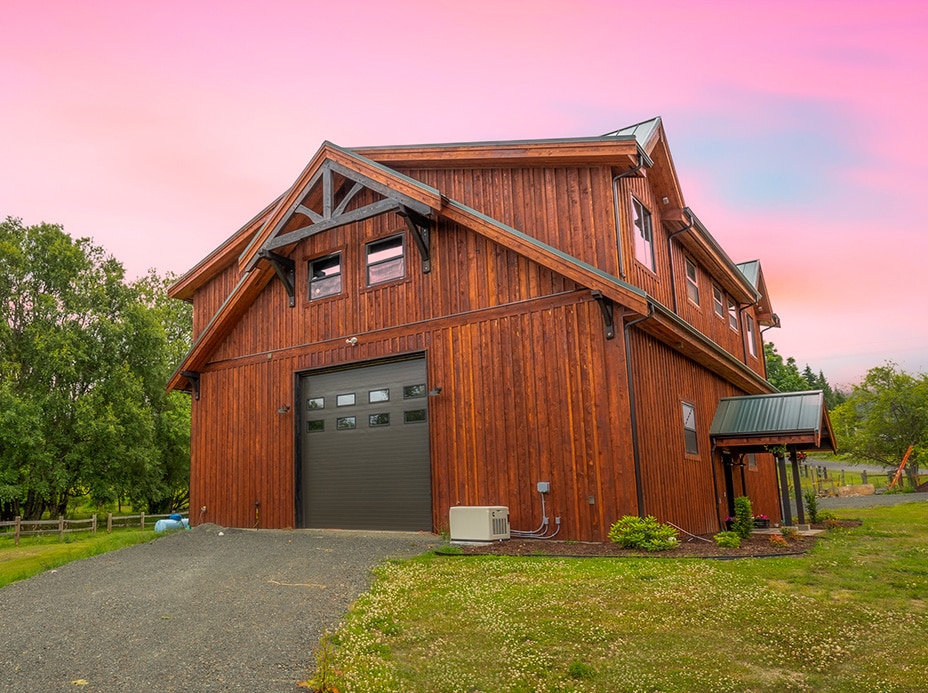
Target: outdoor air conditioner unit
478	524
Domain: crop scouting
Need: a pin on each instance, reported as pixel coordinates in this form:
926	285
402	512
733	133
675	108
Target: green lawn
850	616
40	553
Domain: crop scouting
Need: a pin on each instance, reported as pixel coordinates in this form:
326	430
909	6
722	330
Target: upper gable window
718	301
692	281
385	260
325	276
644	236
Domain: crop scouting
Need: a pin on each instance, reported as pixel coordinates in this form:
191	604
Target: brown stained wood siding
680	488
505	420
207	300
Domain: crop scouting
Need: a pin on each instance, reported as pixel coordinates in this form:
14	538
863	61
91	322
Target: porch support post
784	491
794	462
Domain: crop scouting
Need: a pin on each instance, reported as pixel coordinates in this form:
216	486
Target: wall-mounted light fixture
434	392
353	341
284	409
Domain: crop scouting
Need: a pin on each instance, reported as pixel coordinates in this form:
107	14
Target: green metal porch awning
798	420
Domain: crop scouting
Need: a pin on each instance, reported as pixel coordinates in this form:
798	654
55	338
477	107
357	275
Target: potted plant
761	522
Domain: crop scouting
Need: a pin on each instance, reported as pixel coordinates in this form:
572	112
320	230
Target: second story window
718	301
325	276
644	236
385	260
749	330
692	281
732	315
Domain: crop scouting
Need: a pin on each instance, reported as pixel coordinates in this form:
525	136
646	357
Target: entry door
365	448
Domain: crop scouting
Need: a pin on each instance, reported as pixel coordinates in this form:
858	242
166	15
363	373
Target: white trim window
750	336
732	314
718	301
692	280
644	234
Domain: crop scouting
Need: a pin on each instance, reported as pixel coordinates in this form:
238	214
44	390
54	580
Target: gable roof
754	274
796	419
274	229
310	206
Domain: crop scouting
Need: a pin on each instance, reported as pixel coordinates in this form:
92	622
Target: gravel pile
209	609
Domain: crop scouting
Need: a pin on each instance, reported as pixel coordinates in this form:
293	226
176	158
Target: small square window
718	301
325	276
413	391
345	400
415	416
378	395
690	440
315	425
315	403
692	281
345	423
378	420
385	260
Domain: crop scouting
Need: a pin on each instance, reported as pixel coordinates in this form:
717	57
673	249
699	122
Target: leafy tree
83	358
882	416
785	376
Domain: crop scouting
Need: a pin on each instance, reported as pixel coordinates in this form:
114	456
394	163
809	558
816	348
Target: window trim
733	314
689	406
368	264
692	282
718	300
313	280
750	335
640	211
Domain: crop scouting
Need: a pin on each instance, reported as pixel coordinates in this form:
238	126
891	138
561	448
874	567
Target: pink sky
160	128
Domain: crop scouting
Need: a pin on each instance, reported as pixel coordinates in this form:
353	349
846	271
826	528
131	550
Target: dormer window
692	281
385	260
644	235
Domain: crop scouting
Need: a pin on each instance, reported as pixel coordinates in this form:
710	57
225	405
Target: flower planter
761	523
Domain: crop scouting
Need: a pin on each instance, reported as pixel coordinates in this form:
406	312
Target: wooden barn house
412	328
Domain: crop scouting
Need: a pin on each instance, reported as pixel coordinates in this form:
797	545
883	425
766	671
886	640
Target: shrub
789	533
730	540
776	540
744	517
811	505
647	533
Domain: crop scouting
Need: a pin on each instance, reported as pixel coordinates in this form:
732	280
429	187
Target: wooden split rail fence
20	527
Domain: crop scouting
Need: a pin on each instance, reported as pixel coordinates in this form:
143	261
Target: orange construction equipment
901	466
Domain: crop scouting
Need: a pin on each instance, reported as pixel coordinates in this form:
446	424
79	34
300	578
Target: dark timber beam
418	226
607	308
194	378
372	210
285	269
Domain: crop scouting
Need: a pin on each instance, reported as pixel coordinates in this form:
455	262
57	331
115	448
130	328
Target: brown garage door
365	448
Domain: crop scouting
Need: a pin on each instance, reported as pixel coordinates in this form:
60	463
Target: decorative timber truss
332	198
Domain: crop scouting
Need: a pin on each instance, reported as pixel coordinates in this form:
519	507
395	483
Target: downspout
615	201
636	454
673	274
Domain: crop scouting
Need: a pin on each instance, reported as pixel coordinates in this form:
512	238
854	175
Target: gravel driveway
208	609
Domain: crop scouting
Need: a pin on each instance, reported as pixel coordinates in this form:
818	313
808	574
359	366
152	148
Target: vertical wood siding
678	487
531	389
